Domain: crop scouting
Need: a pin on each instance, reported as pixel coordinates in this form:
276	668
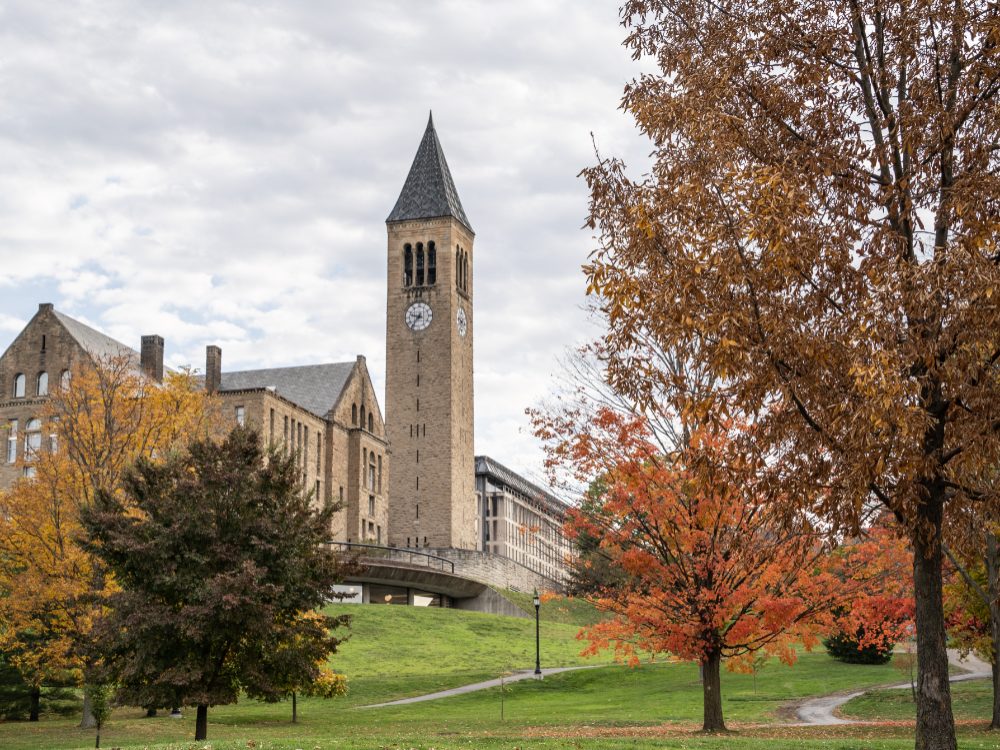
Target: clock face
461	322
419	316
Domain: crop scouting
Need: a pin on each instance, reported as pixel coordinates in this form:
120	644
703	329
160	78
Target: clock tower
428	390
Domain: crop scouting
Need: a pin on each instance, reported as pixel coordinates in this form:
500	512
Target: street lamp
538	658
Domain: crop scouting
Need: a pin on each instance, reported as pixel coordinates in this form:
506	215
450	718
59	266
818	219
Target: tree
819	229
107	417
100	702
220	561
711	571
973	603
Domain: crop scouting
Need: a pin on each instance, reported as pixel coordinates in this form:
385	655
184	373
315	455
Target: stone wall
495	570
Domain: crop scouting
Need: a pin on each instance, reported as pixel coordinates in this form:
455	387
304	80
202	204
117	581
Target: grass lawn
402	650
972	700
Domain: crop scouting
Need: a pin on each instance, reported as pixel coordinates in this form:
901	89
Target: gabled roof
97	344
315	388
429	192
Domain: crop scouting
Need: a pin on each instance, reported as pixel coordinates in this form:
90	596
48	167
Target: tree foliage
108	416
220	561
819	229
711	571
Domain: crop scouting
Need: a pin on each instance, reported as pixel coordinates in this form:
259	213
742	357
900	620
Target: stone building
447	525
428	346
328	414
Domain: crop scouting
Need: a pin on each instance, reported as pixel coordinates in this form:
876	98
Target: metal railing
397	554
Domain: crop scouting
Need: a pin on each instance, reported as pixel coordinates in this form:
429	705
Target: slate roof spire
429	192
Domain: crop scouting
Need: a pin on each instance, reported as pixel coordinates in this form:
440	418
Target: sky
220	173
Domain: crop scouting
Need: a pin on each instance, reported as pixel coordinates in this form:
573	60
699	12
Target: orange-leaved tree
712	571
93	428
819	228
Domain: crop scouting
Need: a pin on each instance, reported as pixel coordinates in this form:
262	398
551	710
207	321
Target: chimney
151	357
45	307
213	368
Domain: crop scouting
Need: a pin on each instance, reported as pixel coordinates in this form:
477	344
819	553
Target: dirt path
822	711
526	674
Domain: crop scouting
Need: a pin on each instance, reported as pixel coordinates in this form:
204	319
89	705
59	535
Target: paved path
822	711
526	674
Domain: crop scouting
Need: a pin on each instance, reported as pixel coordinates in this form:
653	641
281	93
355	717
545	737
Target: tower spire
429	191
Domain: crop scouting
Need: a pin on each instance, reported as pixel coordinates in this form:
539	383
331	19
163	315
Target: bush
845	648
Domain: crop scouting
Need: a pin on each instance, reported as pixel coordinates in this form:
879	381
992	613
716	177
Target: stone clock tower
428	392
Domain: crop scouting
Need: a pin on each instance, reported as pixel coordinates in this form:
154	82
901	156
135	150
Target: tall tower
428	391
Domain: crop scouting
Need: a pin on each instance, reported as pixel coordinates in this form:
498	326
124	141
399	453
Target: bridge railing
396	554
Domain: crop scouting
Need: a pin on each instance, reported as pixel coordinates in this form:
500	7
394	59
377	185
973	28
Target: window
380	474
417	541
42	384
354	413
28	472
19	385
420	264
319	449
32	438
371	423
12	441
318	494
286	432
431	264
53	443
341	494
305	447
271	425
362	416
465	272
378	534
241	415
43	342
371	470
458	267
64	379
407	265
371	505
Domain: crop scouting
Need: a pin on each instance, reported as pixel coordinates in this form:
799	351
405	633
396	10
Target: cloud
221	173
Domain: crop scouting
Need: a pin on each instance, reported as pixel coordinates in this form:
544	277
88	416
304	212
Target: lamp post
538	658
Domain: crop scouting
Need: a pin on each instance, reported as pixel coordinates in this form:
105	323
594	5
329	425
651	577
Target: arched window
407	265
371	470
364	461
32	438
19	385
42	385
64	379
420	264
380	473
362	416
431	264
354	413
465	272
458	267
371	423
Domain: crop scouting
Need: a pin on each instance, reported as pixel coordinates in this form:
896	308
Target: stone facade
327	415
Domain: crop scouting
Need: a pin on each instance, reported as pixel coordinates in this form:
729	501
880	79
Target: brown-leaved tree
819	228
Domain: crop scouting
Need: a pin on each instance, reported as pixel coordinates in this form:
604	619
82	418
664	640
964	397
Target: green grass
567	610
972	700
401	650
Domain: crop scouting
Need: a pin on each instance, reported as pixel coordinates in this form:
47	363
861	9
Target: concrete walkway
525	674
822	711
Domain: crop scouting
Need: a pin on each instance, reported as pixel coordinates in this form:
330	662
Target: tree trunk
150	713
295	710
935	722
35	705
712	694
87	721
97	741
201	723
993	589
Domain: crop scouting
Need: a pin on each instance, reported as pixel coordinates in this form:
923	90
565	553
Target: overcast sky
221	173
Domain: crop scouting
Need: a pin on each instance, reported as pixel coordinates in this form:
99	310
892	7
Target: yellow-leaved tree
94	428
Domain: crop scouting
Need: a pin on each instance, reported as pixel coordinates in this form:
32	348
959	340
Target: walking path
516	677
821	711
